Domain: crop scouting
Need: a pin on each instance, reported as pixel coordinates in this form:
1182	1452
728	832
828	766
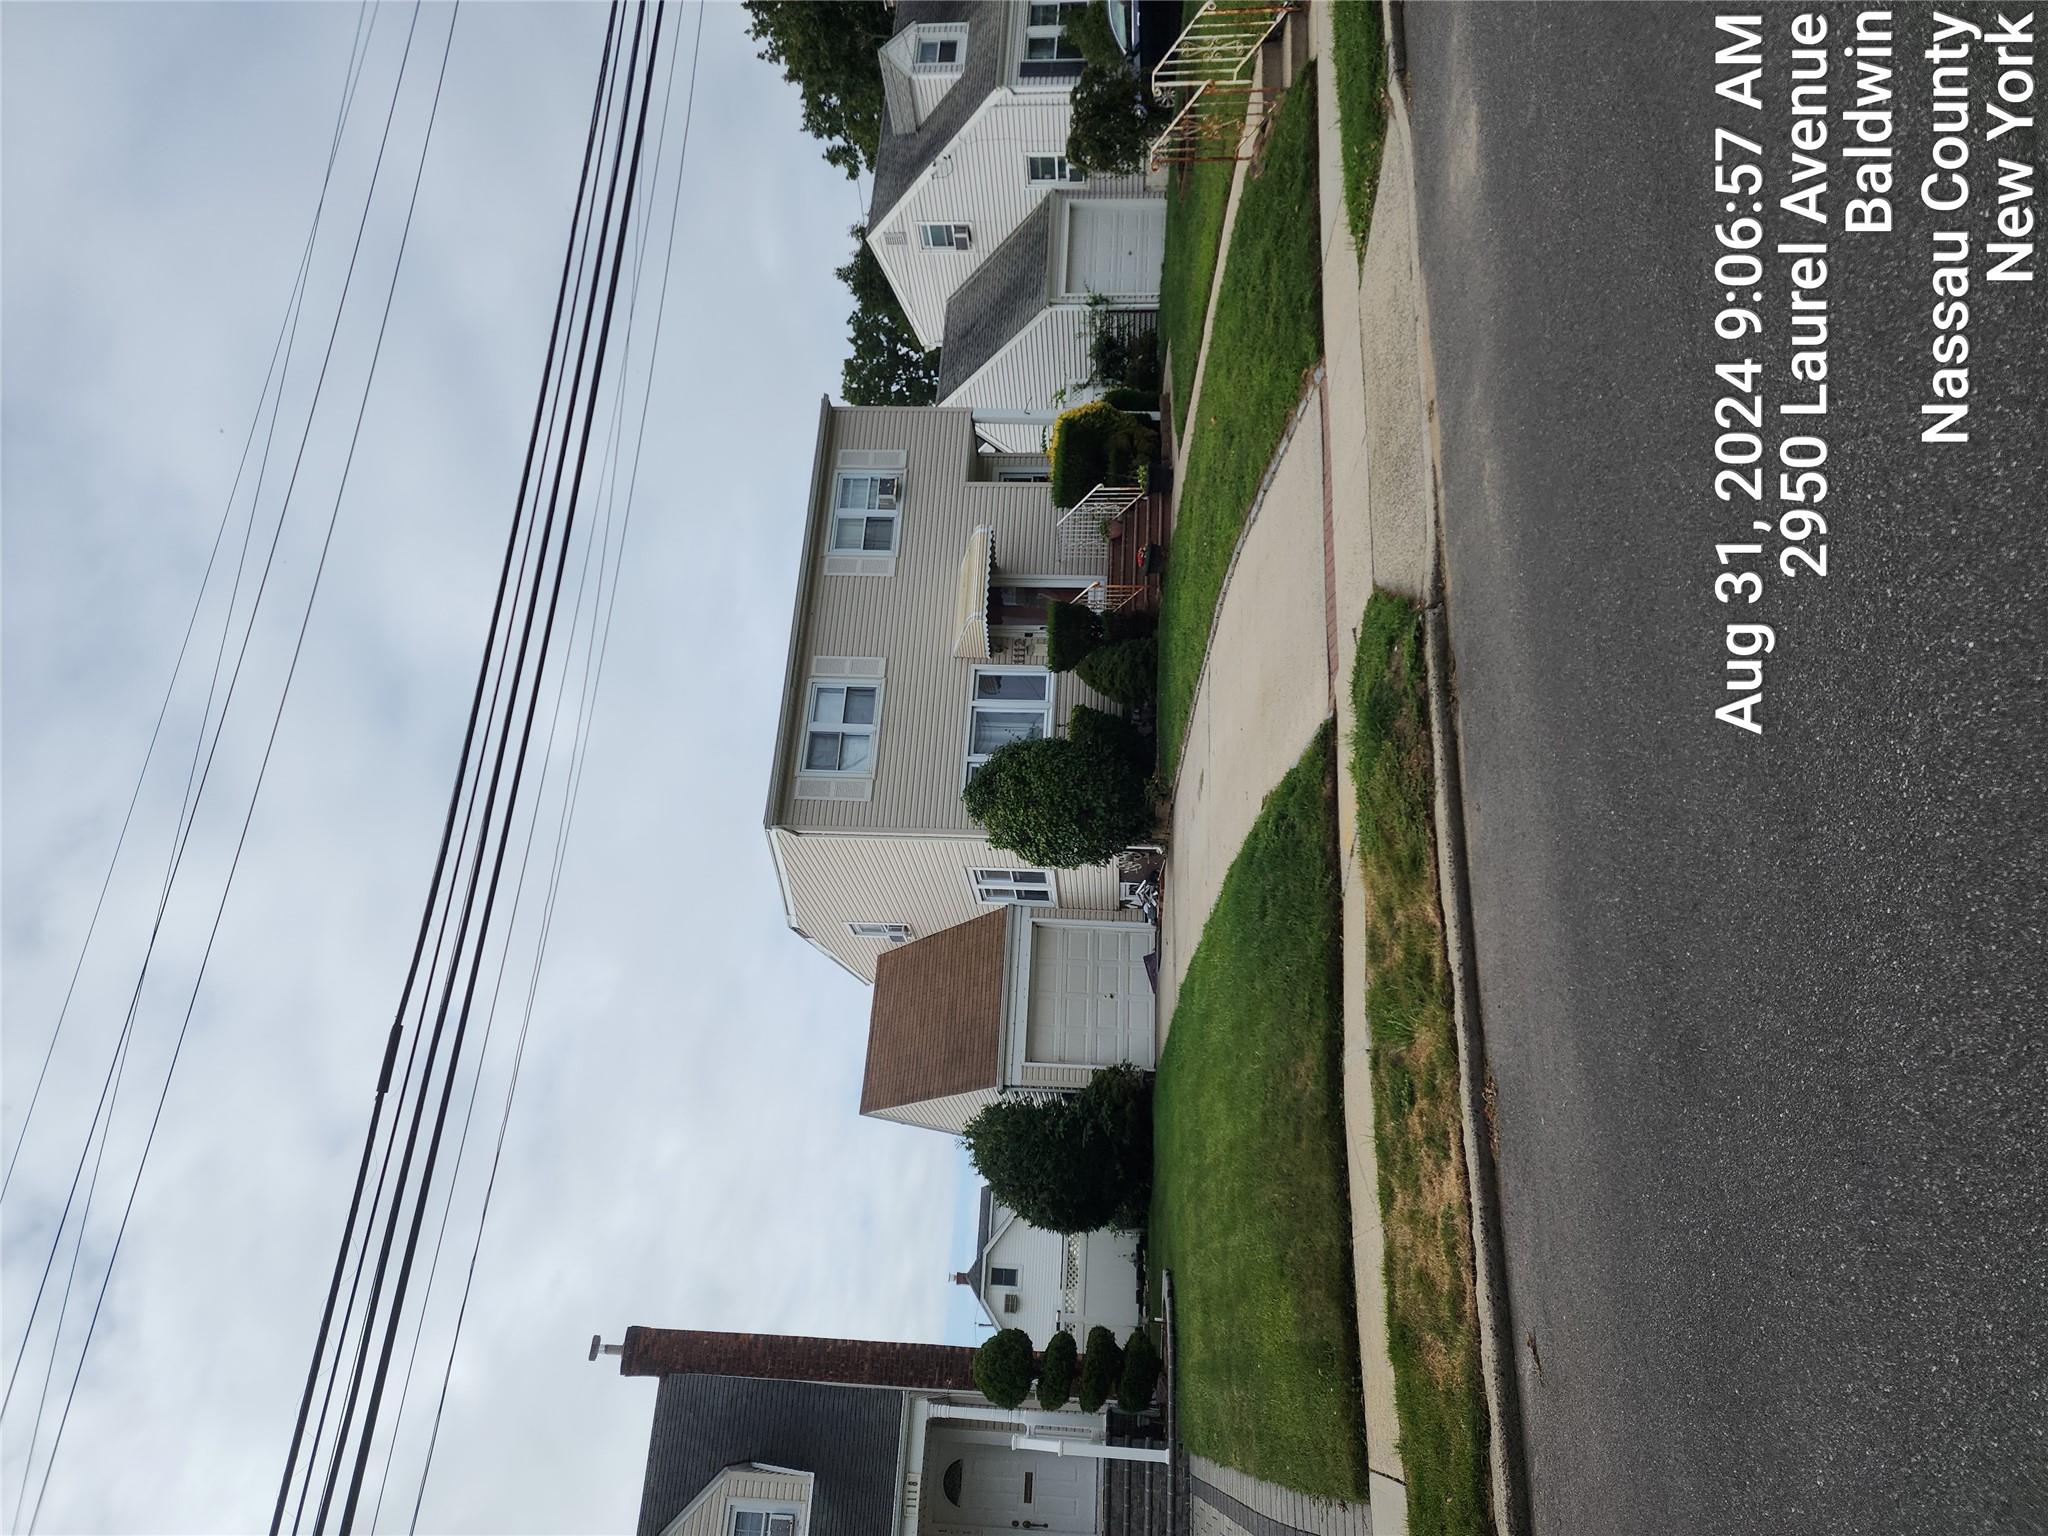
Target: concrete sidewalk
1348	505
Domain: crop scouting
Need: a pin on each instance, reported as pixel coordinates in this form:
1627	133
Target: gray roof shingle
846	1437
999	300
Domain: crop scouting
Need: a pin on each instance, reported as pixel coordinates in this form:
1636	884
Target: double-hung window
1007	704
935	51
1045	33
1013	887
839	734
1039	169
762	1522
944	237
864	511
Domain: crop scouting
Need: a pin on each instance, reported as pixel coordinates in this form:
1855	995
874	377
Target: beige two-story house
917	649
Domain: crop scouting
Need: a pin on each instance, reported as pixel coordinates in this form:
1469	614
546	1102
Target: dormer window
938	52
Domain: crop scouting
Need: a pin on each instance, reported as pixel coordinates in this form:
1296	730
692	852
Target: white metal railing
1225	111
1219	45
1108	596
1079	530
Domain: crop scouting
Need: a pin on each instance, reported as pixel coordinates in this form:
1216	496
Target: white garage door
1090	1003
1115	247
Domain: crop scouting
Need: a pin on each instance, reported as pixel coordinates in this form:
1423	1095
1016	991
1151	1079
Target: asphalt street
1765	1012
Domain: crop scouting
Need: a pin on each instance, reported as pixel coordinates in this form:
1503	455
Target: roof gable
901	158
998	301
936	1028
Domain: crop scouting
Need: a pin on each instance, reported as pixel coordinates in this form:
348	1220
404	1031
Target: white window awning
970	610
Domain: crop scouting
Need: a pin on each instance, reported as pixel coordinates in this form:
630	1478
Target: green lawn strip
1249	1207
1361	67
1432	1322
1195	200
1268	332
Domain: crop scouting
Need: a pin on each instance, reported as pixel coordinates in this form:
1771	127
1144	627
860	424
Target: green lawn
1249	1203
1267	335
1432	1322
1195	199
1361	68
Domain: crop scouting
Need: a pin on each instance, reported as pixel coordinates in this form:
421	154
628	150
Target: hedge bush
1061	802
1072	630
1102	1367
1071	1163
1002	1367
1127	672
1056	1370
1099	729
1096	444
1139	1381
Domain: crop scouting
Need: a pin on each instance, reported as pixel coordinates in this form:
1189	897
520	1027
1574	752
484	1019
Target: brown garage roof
936	1029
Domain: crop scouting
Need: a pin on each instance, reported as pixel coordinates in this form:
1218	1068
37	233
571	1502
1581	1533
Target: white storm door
1114	247
1090	1002
1030	1490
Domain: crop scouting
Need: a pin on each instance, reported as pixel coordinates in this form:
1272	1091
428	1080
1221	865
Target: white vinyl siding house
883	717
1045	1283
980	191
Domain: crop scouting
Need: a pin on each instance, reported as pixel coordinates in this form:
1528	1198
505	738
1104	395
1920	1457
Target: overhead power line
397	268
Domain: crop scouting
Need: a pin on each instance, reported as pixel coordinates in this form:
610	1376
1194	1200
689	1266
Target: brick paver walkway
1226	1502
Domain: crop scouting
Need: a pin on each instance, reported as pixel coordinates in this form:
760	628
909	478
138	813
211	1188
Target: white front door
1114	247
1090	1002
1027	1490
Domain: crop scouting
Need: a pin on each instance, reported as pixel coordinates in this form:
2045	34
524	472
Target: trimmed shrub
1097	728
1061	803
1128	624
1114	120
1056	1370
1002	1367
1132	399
1072	630
1138	1383
1127	672
1102	1368
1096	444
1071	1163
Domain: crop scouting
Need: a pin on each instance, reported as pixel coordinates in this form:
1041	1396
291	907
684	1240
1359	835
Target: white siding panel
1048	355
710	1513
1035	1254
918	881
980	180
949	1115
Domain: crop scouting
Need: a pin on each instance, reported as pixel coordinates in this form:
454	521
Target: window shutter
860	565
848	666
817	787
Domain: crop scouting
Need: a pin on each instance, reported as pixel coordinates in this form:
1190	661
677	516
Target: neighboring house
1046	1283
974	142
764	1435
1017	337
917	648
1014	1001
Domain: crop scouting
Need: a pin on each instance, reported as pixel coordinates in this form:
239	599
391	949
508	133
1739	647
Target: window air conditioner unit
1011	1302
963	237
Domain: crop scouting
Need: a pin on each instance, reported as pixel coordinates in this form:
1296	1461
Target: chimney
780	1357
964	1277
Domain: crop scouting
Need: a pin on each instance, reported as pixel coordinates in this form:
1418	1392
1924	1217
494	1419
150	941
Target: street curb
1497	1358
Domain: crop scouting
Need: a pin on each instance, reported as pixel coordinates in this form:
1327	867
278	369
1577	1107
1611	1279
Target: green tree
887	366
828	53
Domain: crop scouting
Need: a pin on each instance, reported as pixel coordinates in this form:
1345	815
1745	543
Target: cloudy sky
685	1149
